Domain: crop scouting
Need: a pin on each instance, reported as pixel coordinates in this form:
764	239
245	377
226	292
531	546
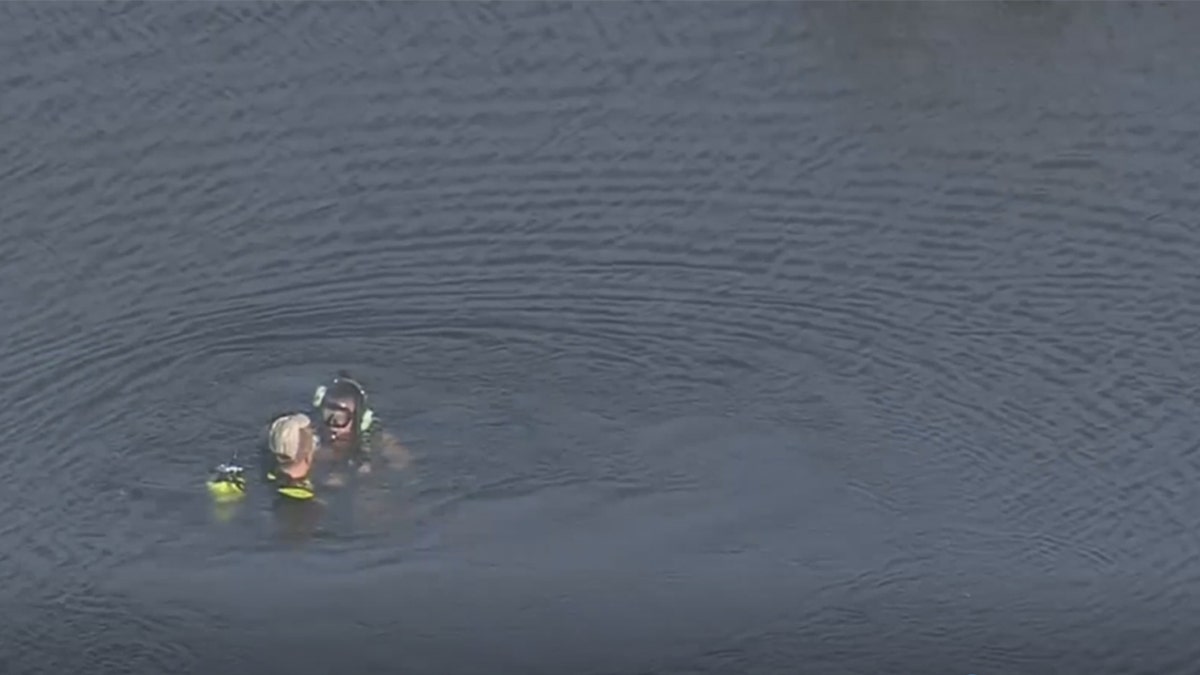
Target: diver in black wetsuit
351	429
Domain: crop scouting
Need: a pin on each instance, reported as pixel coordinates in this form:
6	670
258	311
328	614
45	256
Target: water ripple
864	302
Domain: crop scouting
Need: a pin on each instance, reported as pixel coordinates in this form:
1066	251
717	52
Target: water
727	338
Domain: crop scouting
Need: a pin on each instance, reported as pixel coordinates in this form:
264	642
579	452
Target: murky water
727	338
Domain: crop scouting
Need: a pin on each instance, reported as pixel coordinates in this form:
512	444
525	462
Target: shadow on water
726	339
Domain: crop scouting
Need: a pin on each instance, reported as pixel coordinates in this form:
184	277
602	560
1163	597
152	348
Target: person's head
344	412
293	443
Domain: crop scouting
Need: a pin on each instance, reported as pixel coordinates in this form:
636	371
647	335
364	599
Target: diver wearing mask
351	430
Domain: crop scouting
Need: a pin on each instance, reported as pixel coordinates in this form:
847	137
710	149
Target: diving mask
336	417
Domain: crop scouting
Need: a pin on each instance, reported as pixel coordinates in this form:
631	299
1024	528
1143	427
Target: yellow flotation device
292	488
227	483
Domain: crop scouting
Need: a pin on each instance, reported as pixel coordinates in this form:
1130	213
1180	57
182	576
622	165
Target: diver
352	431
291	448
350	437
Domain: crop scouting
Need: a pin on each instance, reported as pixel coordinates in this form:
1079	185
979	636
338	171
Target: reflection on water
727	338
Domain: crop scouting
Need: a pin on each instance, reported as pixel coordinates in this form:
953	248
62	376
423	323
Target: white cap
292	438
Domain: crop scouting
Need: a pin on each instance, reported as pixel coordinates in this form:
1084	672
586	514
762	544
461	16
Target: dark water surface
727	338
